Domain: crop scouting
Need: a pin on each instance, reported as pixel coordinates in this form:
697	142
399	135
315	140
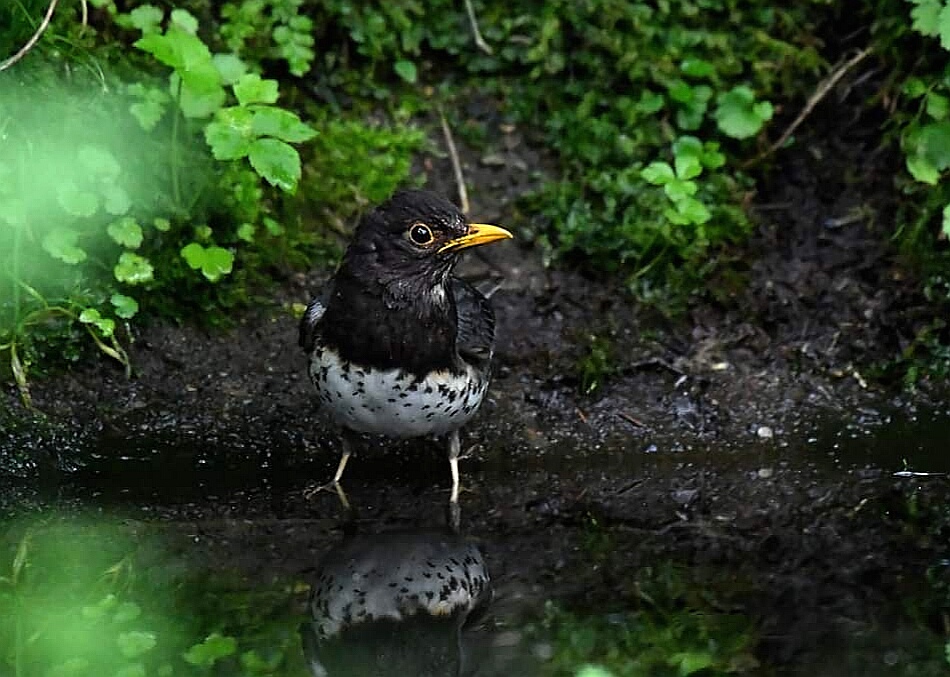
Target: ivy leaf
251	88
282	124
230	134
739	115
105	325
406	70
213	648
126	232
213	262
75	201
62	243
277	162
133	269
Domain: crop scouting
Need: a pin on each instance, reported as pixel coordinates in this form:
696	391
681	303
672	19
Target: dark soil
720	442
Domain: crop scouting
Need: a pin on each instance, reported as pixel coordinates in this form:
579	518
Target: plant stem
176	185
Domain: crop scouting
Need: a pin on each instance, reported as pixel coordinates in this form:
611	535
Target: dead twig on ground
820	93
476	34
456	162
44	24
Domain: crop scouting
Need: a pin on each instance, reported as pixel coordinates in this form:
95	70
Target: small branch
32	41
477	34
456	163
824	87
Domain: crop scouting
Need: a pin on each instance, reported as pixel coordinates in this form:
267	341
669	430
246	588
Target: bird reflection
395	604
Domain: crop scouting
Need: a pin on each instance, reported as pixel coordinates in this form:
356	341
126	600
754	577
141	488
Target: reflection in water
395	604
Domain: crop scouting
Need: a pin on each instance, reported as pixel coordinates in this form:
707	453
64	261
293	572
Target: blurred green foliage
80	599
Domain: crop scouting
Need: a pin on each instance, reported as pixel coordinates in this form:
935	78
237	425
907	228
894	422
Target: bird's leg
334	484
455	512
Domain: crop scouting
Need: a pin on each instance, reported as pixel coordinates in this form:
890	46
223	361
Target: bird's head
415	238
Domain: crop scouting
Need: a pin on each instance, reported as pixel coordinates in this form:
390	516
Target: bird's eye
421	234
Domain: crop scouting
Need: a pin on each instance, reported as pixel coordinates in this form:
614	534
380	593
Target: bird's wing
476	322
308	323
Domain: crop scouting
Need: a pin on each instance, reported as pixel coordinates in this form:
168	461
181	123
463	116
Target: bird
394	603
398	345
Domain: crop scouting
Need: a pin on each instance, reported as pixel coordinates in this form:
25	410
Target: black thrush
394	604
400	346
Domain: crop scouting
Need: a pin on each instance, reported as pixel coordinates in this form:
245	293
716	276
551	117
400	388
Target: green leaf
938	105
212	649
75	201
213	262
146	18
231	133
658	173
125	307
230	67
923	170
251	88
273	227
694	210
678	190
697	68
246	232
406	70
99	609
650	102
62	243
127	232
196	100
739	115
135	643
106	325
687	166
185	20
945	226
161	224
282	124
914	87
926	17
277	162
99	162
147	113
115	200
943	26
133	269
690	662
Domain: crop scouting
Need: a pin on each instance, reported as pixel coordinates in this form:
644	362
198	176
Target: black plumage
398	345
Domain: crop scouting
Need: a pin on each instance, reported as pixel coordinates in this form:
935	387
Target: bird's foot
333	486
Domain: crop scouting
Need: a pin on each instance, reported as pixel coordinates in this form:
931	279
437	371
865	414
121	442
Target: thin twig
824	87
477	34
631	419
32	41
456	163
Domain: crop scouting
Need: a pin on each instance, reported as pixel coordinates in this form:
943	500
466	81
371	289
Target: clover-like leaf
125	306
76	201
214	262
133	269
99	162
135	643
63	244
277	162
212	649
658	173
105	325
739	115
126	232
